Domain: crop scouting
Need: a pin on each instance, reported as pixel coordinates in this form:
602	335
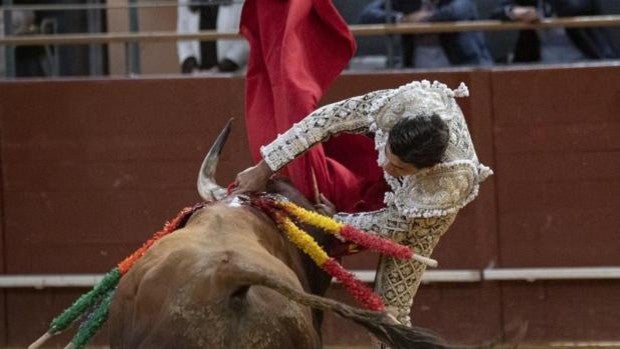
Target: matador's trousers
397	281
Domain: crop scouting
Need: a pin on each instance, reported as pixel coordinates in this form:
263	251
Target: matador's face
395	167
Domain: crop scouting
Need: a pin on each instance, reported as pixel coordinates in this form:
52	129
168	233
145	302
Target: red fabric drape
297	49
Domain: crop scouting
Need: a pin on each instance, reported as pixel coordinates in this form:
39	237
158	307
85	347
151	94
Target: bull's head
208	189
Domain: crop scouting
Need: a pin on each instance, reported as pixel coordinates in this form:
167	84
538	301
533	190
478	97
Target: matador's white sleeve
367	221
387	222
350	115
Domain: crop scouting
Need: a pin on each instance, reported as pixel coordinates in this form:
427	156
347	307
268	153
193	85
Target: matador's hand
325	207
253	179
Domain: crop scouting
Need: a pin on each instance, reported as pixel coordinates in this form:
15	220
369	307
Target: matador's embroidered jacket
420	207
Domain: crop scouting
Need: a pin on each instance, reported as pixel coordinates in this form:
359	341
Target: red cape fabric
297	49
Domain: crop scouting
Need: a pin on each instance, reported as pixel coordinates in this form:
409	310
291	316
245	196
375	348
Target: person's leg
397	281
407	46
462	10
569	8
188	51
594	43
208	49
232	54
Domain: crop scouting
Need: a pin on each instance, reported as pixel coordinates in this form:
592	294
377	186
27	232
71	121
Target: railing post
390	58
9	52
133	47
95	52
50	26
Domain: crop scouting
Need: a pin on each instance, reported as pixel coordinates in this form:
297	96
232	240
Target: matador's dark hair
421	141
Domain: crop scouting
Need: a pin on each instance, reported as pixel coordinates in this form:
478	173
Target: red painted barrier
91	168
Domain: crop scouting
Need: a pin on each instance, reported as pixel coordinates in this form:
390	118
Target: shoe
226	65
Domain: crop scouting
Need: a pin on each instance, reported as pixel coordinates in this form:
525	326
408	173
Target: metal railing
103	6
430	276
356	30
133	38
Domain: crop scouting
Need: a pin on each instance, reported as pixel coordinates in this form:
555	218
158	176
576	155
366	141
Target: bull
230	279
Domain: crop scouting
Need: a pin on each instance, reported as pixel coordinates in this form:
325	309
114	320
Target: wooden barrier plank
3	319
586	136
557	188
3	310
440	308
27	326
115	176
589	193
556	96
104	170
111	107
556	147
565	311
84	232
84	146
559	237
560	167
3	306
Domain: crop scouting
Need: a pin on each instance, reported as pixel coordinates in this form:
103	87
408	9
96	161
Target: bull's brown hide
184	293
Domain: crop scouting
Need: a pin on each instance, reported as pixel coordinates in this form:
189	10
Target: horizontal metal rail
430	276
112	38
357	30
533	274
510	274
142	4
484	25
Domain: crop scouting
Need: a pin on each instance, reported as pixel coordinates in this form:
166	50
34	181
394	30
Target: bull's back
188	290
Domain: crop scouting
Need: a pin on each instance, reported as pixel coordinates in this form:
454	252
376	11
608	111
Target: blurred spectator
194	54
225	55
231	54
2	52
54	59
423	50
555	45
28	59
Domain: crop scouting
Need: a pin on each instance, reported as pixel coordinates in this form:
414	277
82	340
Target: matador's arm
350	115
385	222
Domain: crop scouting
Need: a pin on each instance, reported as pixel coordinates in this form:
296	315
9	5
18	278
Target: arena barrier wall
91	168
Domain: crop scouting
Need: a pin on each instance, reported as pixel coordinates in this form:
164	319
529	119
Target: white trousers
187	22
228	19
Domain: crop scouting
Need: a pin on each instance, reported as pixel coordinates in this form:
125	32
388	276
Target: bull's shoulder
226	216
216	228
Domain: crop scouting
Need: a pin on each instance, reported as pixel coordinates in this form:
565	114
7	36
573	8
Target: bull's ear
208	189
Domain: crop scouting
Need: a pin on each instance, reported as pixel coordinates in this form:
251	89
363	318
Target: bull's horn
207	188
